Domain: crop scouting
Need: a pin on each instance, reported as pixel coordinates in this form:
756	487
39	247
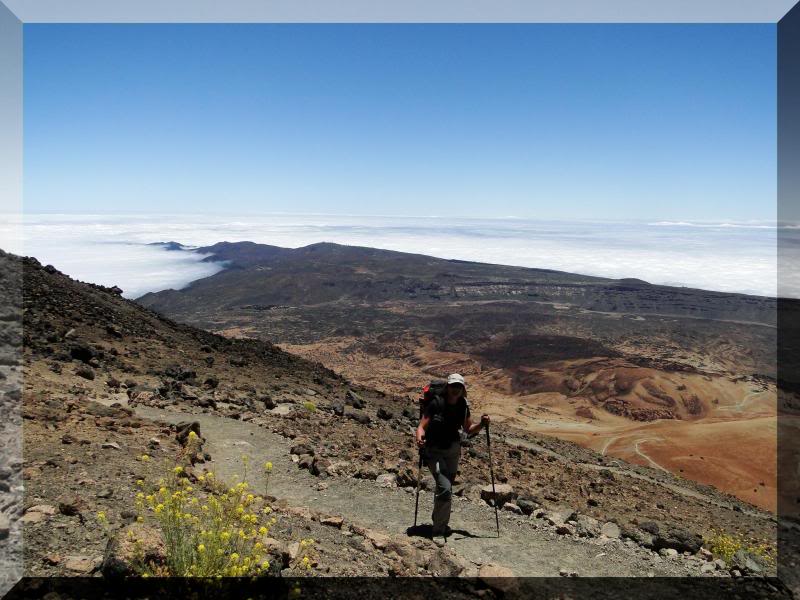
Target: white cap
456	378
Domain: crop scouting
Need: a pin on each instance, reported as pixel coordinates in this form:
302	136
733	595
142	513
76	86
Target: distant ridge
326	272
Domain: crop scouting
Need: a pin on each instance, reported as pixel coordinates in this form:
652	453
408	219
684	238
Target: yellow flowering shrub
209	530
725	546
306	555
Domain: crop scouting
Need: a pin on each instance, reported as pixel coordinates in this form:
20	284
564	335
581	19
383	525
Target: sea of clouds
115	250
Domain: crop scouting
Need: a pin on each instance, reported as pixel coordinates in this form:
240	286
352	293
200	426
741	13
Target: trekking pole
419	485
491	472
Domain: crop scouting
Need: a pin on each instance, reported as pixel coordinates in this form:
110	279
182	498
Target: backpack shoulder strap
432	402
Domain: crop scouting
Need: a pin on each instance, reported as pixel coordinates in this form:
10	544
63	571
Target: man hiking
439	439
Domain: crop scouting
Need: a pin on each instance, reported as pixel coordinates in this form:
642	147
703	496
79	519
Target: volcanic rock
503	492
133	545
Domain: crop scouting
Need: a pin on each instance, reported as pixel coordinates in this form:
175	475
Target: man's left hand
485	420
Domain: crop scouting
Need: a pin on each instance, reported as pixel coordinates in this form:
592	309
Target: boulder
341	467
650	527
133	546
384	414
642	538
366	472
406	476
184	428
679	539
179	373
379	540
206	402
586	526
302	446
526	505
354	399
82	352
69	505
300	511
320	466
386	480
497	577
38	513
610	530
410	413
444	562
747	563
336	522
85	371
83	565
501	494
360	417
565	529
560	515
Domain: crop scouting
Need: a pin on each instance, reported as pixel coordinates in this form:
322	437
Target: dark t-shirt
446	421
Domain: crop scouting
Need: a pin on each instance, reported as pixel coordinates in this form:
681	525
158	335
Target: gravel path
526	546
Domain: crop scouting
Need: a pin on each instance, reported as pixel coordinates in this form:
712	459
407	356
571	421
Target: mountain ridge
430	278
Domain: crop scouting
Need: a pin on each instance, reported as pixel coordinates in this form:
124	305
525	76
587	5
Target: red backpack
433	391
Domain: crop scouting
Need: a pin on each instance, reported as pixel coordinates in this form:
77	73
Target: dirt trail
638	451
523	547
739	406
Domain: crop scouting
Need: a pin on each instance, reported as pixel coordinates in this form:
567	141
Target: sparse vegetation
725	545
310	406
209	529
306	556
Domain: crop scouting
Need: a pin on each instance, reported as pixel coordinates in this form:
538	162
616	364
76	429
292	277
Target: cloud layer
114	250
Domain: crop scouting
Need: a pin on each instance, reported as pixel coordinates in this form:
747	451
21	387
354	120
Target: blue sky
672	122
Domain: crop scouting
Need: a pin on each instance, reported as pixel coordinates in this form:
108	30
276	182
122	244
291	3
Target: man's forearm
474	428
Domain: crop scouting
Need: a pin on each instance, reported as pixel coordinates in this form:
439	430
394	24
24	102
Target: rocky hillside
108	381
10	421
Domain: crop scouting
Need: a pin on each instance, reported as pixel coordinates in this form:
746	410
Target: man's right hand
420	440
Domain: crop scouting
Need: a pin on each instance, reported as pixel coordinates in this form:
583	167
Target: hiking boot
439	536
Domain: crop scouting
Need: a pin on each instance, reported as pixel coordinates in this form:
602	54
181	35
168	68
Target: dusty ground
730	444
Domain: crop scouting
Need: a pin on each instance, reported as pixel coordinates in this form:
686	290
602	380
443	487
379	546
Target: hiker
439	438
